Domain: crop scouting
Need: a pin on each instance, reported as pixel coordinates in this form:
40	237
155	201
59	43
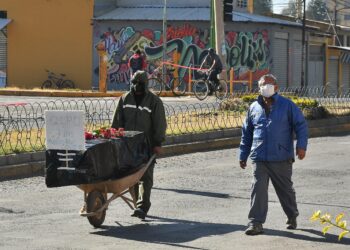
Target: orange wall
49	34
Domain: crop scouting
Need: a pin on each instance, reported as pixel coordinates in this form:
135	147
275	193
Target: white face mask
267	90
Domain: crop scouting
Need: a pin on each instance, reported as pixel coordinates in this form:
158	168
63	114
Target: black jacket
148	117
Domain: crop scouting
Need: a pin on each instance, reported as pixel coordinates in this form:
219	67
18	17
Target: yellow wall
49	34
250	6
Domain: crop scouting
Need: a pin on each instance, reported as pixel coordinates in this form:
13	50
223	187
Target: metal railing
22	125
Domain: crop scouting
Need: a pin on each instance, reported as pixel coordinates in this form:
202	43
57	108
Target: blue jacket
270	137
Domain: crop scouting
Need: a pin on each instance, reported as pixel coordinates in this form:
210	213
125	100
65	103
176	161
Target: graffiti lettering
114	41
180	32
245	50
251	50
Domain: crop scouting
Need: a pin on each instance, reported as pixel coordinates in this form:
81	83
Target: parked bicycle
156	83
55	81
202	87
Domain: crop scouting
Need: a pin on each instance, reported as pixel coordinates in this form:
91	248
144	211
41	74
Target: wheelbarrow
96	194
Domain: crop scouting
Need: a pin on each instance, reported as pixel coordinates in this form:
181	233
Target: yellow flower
325	218
341	235
339	217
342	224
325	229
316	215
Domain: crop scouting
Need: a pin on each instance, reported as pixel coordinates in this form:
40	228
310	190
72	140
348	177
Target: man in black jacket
141	110
215	67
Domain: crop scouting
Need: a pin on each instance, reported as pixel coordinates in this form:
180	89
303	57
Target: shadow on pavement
186	191
329	238
166	231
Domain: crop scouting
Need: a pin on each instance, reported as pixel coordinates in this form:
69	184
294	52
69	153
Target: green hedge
310	107
299	101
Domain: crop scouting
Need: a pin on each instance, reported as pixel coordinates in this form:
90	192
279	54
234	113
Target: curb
27	164
22	170
62	93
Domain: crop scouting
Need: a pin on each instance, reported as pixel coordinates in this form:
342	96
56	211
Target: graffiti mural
248	51
186	46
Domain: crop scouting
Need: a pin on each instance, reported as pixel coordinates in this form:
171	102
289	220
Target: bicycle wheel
221	90
178	86
155	85
201	89
47	84
67	84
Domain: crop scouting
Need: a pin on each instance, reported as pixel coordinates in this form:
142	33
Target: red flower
88	136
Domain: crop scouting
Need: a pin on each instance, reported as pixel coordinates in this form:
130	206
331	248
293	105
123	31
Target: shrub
249	98
305	102
315	113
234	104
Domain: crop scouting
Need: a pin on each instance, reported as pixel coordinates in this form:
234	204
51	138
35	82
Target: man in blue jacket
267	136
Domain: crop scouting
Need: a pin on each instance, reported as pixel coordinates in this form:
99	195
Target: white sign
64	129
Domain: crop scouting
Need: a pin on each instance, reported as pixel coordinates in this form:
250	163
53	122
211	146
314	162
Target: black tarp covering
104	159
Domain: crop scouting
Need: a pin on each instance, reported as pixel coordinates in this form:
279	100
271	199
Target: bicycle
203	86
55	81
176	84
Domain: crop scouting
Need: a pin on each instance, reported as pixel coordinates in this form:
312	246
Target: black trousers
213	76
142	190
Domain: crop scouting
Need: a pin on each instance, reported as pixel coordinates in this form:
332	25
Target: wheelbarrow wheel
95	201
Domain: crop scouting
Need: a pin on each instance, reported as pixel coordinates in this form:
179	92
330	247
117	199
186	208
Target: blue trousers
280	174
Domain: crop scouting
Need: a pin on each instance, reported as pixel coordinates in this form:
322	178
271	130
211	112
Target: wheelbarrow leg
83	208
133	195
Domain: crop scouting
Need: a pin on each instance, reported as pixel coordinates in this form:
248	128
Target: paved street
200	201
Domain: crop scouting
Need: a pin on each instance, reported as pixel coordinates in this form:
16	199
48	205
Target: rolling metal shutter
333	77
316	67
3	58
315	74
3	50
346	78
296	66
280	61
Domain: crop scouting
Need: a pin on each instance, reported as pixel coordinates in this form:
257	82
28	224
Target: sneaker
254	229
292	223
139	213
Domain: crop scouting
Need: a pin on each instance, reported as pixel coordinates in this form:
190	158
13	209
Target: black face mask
138	87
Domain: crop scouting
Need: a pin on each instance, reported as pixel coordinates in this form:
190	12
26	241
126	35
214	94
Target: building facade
54	35
339	11
253	43
42	38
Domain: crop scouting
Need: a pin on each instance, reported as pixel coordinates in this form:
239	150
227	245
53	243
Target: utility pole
299	9
335	14
335	24
302	80
164	40
212	24
220	35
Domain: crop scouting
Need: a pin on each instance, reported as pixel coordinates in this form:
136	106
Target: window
242	3
340	40
3	14
347	17
316	53
348	41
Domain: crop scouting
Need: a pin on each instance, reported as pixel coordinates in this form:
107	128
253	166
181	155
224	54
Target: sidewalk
64	93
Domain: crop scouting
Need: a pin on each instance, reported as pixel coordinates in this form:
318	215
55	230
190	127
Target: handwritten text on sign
64	130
